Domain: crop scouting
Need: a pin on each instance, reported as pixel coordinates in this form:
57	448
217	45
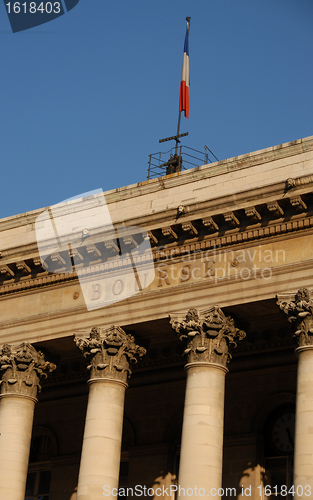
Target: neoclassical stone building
197	376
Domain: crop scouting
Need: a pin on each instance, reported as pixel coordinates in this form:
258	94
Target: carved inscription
172	269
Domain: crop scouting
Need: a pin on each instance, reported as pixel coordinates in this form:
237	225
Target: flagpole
178	128
179	114
174	164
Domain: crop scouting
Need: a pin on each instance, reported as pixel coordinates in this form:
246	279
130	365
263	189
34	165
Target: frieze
210	335
109	353
21	368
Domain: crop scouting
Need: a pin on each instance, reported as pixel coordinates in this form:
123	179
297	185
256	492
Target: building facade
176	361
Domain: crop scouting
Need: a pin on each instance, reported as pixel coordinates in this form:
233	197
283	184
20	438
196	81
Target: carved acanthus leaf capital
21	368
299	310
109	352
209	334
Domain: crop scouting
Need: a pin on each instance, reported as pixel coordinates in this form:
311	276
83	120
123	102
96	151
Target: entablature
196	229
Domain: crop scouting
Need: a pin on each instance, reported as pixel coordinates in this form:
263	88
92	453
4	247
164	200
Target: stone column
21	368
109	353
209	336
299	309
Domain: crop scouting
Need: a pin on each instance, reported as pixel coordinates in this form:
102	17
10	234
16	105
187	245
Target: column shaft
303	461
109	353
16	421
202	435
209	335
299	309
101	453
21	368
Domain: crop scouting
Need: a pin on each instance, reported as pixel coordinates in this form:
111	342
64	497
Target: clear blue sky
85	98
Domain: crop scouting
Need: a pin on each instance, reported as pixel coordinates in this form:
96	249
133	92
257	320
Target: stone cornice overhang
234	202
213	207
237	238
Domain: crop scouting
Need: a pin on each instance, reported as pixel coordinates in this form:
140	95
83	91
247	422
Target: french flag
184	84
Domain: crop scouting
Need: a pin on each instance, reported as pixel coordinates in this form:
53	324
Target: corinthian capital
209	334
110	352
22	367
299	310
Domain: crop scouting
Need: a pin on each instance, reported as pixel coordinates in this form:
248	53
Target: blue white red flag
184	84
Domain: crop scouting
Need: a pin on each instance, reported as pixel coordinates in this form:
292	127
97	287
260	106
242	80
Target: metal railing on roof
159	162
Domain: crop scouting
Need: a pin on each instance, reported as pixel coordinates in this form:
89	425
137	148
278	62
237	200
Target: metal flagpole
179	114
177	135
175	163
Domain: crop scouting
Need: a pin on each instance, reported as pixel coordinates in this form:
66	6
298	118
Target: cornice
235	201
232	202
292	214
